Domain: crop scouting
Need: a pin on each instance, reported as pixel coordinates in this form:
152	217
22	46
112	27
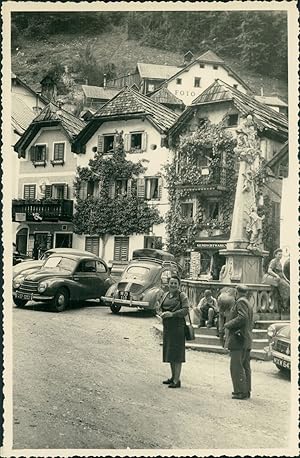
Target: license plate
26	297
124	295
282	363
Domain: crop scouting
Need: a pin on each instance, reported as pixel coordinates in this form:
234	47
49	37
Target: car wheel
19	302
115	308
61	300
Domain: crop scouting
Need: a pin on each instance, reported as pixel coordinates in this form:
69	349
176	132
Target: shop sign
187	93
210	245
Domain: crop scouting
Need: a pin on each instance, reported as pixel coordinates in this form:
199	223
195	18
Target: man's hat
243	289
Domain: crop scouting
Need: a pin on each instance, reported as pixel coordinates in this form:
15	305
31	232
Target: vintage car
280	345
143	282
32	265
62	279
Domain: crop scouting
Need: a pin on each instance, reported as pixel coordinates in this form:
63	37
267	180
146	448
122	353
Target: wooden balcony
213	182
42	210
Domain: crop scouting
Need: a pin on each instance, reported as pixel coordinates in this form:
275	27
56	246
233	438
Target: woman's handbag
189	330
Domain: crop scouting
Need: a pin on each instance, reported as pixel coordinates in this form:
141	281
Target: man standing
207	309
239	342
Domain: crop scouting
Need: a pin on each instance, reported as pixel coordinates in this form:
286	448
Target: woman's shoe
175	385
168	381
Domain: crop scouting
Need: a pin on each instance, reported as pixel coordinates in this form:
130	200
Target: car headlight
271	331
18	280
42	286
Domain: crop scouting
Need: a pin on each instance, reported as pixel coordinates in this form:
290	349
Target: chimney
262	91
104	80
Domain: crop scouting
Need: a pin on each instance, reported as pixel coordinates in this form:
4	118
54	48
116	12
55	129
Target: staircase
207	340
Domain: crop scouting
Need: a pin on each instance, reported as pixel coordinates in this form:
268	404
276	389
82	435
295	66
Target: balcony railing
42	210
207	179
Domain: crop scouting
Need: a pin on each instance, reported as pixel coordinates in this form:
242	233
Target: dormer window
178	81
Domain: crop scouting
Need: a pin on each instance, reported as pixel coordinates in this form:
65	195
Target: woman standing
275	277
173	308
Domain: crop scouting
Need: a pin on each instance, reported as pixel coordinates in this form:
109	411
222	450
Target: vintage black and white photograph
150	228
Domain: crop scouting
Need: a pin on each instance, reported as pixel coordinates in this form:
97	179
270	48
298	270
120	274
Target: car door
102	283
86	279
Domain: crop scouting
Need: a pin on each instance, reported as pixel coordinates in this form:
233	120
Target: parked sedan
62	279
143	281
32	265
280	345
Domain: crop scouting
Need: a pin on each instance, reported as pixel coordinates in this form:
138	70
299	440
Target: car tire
19	302
61	300
115	308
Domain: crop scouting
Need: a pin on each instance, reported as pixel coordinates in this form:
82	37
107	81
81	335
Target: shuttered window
59	152
29	191
56	191
38	153
121	248
92	245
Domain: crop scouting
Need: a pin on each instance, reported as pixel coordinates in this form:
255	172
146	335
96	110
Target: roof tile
69	122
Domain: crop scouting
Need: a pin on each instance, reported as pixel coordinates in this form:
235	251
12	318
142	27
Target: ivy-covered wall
213	145
103	214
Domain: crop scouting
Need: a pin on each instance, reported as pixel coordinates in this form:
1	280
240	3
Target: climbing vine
104	214
212	145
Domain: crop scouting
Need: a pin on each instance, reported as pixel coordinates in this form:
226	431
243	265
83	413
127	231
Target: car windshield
136	272
59	262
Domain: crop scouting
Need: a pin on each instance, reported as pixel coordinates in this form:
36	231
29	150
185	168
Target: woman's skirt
173	340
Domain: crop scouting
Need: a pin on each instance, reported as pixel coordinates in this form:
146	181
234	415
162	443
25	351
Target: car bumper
281	360
33	297
126	302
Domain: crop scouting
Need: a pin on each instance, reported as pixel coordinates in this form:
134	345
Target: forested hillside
253	43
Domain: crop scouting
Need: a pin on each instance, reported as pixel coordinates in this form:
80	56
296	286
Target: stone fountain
244	253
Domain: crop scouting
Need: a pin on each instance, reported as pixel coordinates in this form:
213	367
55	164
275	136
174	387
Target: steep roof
21	114
25	85
71	124
265	117
271	100
210	57
164	96
129	101
51	115
154	71
97	92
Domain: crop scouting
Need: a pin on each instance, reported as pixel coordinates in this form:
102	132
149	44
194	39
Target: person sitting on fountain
207	309
275	277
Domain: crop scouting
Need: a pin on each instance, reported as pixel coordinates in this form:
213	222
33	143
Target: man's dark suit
239	342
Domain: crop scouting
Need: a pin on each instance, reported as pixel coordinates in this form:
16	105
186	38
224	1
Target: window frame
146	179
35	161
105	137
215	67
35	191
135	148
197	79
58	161
230	116
179	81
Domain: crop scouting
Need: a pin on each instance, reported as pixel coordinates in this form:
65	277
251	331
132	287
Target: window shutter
160	185
32	153
141	188
126	142
83	190
115	142
129	182
144	141
65	191
45	153
121	248
111	190
100	144
92	245
48	191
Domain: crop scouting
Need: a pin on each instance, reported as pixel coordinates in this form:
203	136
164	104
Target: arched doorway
21	240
